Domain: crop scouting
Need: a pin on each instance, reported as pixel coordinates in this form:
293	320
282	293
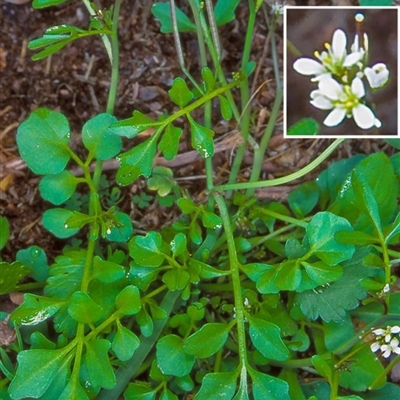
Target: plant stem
235	273
284	179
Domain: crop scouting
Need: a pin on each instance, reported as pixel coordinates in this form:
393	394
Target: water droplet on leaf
35	252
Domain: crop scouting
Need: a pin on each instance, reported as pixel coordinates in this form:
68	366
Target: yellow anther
327	46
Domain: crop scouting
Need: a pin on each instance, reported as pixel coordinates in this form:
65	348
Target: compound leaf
43	141
147	250
137	124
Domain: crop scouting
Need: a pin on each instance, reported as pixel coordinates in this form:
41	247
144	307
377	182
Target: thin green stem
244	97
235	274
285	179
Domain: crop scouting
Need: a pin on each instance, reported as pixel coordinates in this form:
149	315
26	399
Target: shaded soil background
75	82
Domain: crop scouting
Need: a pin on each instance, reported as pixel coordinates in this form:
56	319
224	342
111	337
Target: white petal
335	117
352	59
387	353
377	123
363	116
321	102
377	76
394	342
378	332
395	329
339	42
375	346
319	77
307	66
357	87
355	46
330	88
397	350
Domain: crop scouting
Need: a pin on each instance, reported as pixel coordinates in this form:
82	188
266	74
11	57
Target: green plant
237	298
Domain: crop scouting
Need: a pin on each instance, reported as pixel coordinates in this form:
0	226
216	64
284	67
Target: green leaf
101	142
365	199
169	142
10	275
58	188
146	323
226	109
305	127
378	171
55	221
36	371
43	141
171	357
395	229
268	387
324	367
84	309
218	385
389	392
176	279
201	138
46	3
138	123
355	237
35	309
322	273
375	3
147	250
125	343
362	371
161	180
140	391
4	231
337	333
36	260
73	390
266	337
332	301
98	364
128	301
208	78
168	395
119	228
224	11
162	12
394	142
178	244
180	93
320	232
303	199
107	271
207	340
187	206
211	220
137	161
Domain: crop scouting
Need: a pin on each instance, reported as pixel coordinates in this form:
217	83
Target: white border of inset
285	73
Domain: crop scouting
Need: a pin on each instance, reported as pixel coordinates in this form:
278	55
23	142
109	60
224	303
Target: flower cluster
339	77
386	340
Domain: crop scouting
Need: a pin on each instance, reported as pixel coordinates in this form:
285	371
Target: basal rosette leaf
107	271
37	370
43	141
147	250
172	358
215	386
176	279
162	12
207	340
320	233
55	221
58	188
99	139
98	363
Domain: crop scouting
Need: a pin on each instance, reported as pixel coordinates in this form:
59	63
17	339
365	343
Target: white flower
277	9
344	101
392	347
377	76
333	61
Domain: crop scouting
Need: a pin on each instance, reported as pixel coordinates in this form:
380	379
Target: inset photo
341	72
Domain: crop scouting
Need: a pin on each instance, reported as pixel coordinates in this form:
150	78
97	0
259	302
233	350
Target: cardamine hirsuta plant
341	79
238	298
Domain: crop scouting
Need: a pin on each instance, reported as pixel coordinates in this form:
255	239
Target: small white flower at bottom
392	347
377	76
344	101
